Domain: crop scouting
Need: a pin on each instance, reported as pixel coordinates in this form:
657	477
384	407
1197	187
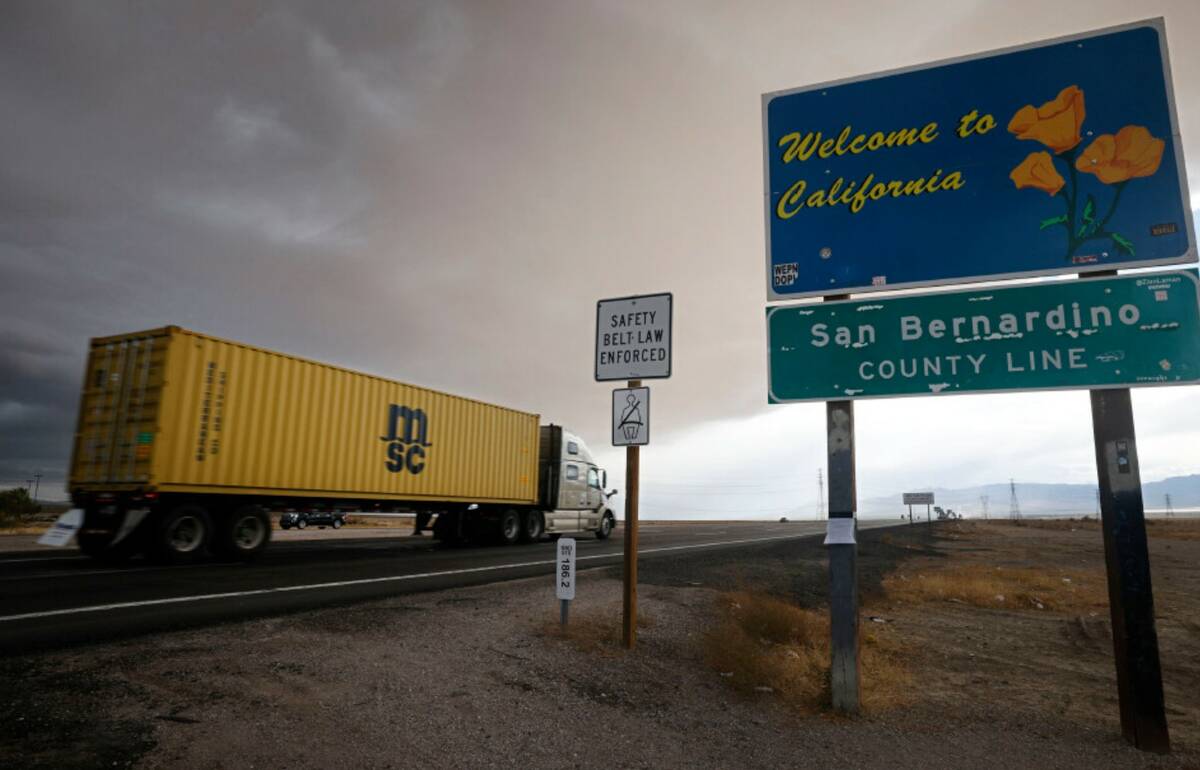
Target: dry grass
594	631
24	529
1173	529
763	645
1055	590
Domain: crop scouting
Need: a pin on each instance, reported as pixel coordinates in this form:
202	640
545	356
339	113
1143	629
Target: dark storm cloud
432	191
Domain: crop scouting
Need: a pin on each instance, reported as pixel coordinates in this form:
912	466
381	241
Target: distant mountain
1037	499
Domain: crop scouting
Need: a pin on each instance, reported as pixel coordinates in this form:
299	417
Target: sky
439	193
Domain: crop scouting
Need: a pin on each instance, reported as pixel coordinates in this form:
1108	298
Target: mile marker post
629	617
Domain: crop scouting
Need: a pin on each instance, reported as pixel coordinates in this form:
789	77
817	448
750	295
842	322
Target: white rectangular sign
918	498
564	570
631	417
633	338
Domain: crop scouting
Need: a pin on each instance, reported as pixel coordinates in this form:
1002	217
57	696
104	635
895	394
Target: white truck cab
581	504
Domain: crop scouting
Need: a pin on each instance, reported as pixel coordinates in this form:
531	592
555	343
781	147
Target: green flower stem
1072	199
1101	229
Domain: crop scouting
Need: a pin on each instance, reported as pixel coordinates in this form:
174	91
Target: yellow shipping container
174	411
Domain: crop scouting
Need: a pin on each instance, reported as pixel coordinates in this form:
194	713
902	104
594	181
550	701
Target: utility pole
820	495
37	484
983	504
1170	510
1014	507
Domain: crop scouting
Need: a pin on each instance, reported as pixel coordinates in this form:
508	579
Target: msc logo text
406	437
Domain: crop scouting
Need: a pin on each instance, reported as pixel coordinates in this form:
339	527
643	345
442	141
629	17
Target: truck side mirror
610	493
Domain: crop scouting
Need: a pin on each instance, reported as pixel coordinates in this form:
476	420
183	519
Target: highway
59	597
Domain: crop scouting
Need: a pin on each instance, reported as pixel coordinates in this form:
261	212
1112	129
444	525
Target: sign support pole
843	560
629	617
1127	560
565	605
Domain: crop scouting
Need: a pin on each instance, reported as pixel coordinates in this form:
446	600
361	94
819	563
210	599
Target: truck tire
508	526
301	523
533	526
607	522
181	535
337	523
243	533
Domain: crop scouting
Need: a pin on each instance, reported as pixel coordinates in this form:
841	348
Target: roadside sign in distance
631	416
633	338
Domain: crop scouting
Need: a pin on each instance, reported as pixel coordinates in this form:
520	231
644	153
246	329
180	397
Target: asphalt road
60	598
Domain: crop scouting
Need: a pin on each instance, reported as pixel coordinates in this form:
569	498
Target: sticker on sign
633	338
565	572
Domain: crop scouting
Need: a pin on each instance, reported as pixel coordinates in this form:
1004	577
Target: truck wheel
244	533
301	523
182	535
337	523
509	526
532	526
606	526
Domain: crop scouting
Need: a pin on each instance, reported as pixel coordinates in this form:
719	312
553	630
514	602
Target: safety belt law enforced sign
633	338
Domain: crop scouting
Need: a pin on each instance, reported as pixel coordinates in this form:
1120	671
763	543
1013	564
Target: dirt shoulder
478	676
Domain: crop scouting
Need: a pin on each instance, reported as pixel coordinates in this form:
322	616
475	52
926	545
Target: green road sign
1113	332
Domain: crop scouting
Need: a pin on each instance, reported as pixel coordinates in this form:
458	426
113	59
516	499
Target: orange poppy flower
1133	152
1038	171
1055	124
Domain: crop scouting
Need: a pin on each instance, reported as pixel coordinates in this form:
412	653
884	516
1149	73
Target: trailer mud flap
133	517
63	531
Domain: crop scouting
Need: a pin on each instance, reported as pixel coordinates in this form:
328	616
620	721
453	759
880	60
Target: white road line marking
390	578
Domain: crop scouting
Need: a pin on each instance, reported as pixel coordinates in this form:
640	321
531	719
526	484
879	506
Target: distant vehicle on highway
320	519
184	442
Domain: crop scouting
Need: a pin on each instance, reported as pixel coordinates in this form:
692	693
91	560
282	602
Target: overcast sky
439	192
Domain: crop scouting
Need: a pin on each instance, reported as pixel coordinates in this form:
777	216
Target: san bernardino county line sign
1058	157
1095	333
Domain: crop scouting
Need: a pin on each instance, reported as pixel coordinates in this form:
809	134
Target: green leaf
1088	217
1123	244
1089	208
1061	219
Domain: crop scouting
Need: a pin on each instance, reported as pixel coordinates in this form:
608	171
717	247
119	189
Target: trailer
186	443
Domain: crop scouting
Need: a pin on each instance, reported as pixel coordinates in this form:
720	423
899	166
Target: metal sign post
632	470
1127	559
565	576
843	558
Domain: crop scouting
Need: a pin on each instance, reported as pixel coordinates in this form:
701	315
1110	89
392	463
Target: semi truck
187	443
